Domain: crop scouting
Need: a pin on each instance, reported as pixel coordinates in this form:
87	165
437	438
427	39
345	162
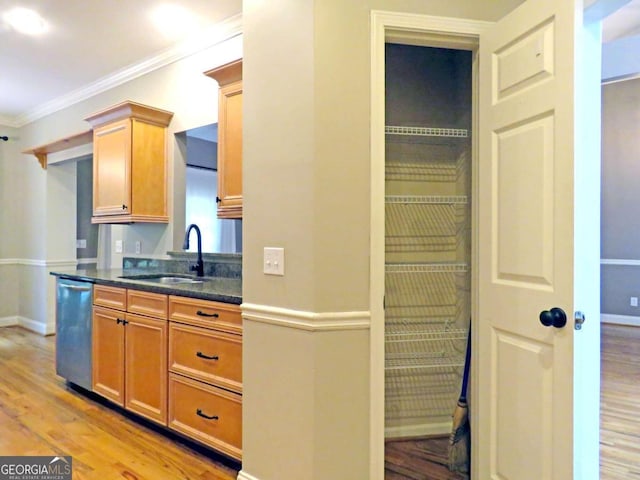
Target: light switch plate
118	246
138	246
81	243
273	261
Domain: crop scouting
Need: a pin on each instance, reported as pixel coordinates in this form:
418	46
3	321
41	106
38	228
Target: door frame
427	31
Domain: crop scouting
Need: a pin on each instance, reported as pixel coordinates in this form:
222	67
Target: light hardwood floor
620	403
40	415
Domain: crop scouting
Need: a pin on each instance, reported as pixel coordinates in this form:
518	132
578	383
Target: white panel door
529	138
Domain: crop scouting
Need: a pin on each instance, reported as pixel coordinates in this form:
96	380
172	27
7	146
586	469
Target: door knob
554	317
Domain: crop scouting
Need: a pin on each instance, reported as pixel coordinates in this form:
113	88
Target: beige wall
10	227
12	195
306	187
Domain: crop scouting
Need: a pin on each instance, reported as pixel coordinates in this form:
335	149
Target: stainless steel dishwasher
73	331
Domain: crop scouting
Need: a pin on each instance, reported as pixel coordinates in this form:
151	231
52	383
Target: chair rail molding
303	320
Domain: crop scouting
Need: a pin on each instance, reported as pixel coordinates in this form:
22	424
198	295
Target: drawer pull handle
204	415
205	314
207	357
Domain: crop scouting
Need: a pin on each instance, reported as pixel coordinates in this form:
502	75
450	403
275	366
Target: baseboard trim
620	262
303	320
9	321
37	327
423	430
28	324
620	319
242	475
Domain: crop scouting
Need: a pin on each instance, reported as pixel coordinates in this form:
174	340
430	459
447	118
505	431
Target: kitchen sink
164	278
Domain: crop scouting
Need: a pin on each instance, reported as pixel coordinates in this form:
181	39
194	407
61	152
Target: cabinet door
230	151
108	354
146	367
112	169
148	171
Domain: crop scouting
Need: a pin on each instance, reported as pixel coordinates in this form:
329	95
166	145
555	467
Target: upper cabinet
229	78
130	164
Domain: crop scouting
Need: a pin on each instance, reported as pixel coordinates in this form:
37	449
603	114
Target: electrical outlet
273	261
119	246
81	243
633	301
138	246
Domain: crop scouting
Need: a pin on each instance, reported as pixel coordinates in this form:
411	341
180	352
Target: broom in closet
460	438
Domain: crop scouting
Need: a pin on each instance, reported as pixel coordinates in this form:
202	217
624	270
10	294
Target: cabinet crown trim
129	109
227	73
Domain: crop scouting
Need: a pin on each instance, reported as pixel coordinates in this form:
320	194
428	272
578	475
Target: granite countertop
219	289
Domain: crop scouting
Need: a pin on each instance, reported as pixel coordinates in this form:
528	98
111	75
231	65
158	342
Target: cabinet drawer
111	297
208	414
205	313
147	303
207	355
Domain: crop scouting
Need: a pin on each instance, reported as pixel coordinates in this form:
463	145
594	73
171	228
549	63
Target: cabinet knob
218	200
124	207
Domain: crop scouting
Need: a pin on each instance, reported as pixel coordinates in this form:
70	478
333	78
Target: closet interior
427	235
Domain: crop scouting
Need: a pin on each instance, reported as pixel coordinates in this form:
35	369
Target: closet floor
418	459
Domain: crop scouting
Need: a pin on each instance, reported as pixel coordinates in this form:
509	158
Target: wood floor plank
41	415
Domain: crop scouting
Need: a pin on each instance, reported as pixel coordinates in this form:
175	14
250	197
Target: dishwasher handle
75	287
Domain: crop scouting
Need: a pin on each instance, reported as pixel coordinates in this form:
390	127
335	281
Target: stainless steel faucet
199	266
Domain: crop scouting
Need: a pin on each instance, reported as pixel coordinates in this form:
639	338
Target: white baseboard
28	324
9	321
242	475
620	319
443	428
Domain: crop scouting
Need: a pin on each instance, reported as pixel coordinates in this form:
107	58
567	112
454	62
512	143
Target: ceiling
90	41
87	41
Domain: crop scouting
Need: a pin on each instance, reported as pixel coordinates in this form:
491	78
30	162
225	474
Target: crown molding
219	33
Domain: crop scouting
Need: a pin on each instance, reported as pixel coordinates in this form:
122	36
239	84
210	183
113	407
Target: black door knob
553	318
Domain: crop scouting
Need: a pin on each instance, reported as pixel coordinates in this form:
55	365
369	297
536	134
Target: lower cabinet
174	360
130	351
205	379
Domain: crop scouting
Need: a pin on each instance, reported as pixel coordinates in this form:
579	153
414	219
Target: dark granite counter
219	289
